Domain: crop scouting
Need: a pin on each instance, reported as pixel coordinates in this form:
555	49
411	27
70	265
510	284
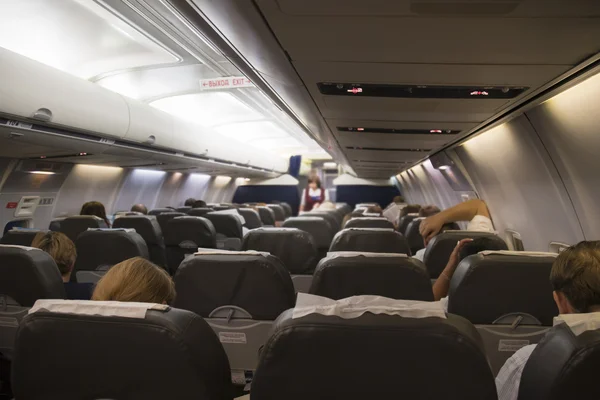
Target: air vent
419	91
398	131
386	149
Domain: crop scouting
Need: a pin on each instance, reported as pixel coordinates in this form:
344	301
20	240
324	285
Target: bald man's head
140	208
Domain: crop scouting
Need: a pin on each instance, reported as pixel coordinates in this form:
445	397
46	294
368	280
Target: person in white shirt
475	211
575	279
313	195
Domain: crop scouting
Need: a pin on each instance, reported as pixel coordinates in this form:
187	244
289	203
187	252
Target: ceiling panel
370	155
361	139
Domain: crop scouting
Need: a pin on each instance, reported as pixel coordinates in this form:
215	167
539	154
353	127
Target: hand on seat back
431	226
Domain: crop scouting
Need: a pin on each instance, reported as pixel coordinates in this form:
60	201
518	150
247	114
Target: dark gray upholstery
227	225
267	215
252	218
404	221
20	237
441	246
487	287
258	284
413	236
316	226
172	354
165	217
55	224
370	240
278	211
338	277
149	229
158	211
200	211
369	222
184	209
287	209
184	235
373	357
334	219
295	248
563	366
73	226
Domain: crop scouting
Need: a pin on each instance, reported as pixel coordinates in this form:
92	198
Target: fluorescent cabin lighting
443	167
42	172
330	165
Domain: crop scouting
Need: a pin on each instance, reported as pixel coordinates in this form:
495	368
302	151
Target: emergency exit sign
230	82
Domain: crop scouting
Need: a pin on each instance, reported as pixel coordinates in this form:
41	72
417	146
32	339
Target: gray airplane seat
122	351
508	296
392	275
369	222
413	236
294	247
164	218
404	221
75	225
55	224
200	211
20	236
222	207
184	235
287	209
99	249
251	217
239	294
441	246
228	228
148	228
563	366
373	356
158	211
278	211
184	209
267	215
330	216
320	230
26	275
370	240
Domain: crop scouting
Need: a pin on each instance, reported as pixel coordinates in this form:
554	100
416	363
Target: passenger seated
199	204
392	211
374	210
189	202
135	280
575	279
475	211
353	214
325	206
140	208
63	251
95	208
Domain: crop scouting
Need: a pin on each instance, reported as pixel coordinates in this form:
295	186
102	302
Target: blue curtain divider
355	194
294	169
268	194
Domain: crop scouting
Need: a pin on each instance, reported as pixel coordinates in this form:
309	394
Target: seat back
200	211
287	209
441	246
267	215
309	357
370	240
20	237
26	275
227	225
184	209
55	224
369	222
413	236
508	296
332	217
184	235
149	229
395	276
252	218
317	227
164	353
294	247
278	211
158	211
404	221
240	294
75	225
165	217
563	366
98	250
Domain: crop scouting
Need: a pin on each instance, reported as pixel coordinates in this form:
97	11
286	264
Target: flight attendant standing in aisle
313	195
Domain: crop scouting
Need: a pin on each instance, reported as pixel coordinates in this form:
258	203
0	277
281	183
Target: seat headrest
146	225
199	211
158	211
287	209
334	219
251	217
369	222
317	227
183	209
186	355
372	240
404	221
294	247
229	225
278	211
441	246
28	274
105	248
321	348
563	366
487	287
73	226
197	231
338	276
259	284
20	237
267	215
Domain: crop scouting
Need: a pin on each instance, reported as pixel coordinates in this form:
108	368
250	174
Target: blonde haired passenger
135	280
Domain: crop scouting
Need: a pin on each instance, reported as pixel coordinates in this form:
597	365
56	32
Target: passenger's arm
442	284
465	211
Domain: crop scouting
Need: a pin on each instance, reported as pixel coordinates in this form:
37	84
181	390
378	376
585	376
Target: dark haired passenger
63	252
95	208
199	204
189	202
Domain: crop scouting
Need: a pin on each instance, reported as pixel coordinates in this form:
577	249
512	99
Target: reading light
42	172
444	167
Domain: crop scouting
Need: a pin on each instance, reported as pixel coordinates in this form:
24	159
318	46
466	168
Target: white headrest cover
369	229
275	229
518	253
203	251
128	230
372	217
26	248
103	308
372	214
336	254
355	306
